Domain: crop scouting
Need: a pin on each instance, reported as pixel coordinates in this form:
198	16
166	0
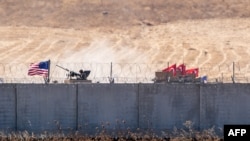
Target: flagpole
48	79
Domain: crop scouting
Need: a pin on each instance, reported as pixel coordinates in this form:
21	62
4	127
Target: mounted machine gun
74	77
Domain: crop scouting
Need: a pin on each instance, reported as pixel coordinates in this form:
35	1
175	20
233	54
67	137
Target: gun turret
71	73
63	68
82	75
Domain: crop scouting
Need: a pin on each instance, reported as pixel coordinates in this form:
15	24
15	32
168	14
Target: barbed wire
121	72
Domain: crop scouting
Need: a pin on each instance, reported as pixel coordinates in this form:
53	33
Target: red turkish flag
181	68
171	68
193	71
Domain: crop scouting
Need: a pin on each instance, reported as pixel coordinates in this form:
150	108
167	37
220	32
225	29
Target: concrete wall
46	107
7	107
112	107
163	107
90	108
224	104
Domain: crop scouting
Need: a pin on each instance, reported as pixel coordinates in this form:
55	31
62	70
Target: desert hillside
139	37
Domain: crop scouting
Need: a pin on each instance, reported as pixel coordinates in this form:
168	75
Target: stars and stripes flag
40	68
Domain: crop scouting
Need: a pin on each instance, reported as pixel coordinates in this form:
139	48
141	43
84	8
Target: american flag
41	68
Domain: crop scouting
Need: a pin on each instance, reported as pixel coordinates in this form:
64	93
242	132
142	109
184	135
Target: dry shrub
187	134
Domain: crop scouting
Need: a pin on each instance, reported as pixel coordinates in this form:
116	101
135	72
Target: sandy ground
136	51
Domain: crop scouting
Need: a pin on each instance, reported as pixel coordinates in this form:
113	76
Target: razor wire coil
121	72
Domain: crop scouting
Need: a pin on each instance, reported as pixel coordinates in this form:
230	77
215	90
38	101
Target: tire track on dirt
170	52
230	54
28	52
243	53
191	54
204	59
162	54
220	56
6	52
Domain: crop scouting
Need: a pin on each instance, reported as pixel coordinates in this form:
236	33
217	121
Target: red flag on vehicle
181	68
171	68
193	71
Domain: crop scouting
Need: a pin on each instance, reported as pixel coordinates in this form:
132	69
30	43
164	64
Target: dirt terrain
138	36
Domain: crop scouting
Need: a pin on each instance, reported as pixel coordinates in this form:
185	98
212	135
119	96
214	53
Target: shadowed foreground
182	135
